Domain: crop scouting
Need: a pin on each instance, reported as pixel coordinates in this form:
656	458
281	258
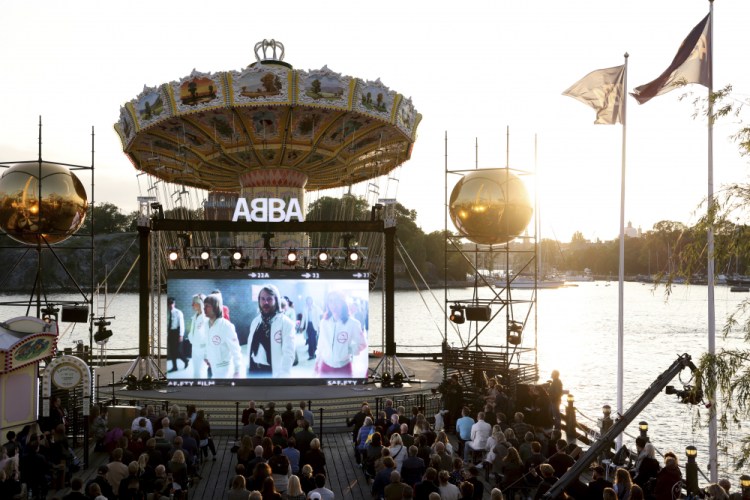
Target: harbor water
576	334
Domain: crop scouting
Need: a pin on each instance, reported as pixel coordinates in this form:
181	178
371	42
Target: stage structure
251	143
491	211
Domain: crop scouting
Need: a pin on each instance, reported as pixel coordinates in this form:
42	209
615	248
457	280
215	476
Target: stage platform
223	401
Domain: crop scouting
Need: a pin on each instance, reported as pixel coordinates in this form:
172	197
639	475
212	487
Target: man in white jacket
271	337
480	433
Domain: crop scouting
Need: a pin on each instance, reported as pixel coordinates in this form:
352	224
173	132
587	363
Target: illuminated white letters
267	210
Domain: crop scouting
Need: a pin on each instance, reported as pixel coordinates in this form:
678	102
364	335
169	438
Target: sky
474	69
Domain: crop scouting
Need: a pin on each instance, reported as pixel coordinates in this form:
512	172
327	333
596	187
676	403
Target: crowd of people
406	456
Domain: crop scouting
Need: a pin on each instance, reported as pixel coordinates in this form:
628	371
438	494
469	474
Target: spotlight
323	256
398	380
457	314
173	254
205	254
352	255
291	257
385	380
131	382
102	334
514	332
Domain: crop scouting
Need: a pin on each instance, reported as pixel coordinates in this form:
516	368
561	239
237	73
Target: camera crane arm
620	425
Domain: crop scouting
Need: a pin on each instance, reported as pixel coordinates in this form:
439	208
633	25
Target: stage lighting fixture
385	380
205	254
352	254
457	314
398	380
323	256
291	256
173	254
102	334
131	382
515	330
236	255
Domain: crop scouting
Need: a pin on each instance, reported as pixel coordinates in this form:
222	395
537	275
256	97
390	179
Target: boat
528	282
739	288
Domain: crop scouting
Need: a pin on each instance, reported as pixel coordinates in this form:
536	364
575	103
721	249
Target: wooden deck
345	478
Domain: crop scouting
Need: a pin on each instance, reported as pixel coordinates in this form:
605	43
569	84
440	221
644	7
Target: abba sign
267	210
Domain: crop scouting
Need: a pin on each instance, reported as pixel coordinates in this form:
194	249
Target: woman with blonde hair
306	479
398	450
316	458
623	484
294	490
442	437
420	424
496	494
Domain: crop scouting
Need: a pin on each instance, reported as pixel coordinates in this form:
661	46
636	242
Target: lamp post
691	471
570	420
745	484
643	427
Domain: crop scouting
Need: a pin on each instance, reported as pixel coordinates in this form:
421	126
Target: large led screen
283	327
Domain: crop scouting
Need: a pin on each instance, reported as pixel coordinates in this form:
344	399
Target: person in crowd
117	470
203	428
101	482
413	467
292	454
130	486
463	429
373	451
383	478
304	438
454	402
310	326
99	426
289	419
496	494
269	491
646	465
198	336
520	427
555	398
248	414
598	483
623	484
307	479
467	491
480	432
223	352
395	489
473	479
667	478
294	490
561	461
715	492
271	337
457	475
363	438
281	469
513	473
261	472
358	420
320	488
76	490
397	450
307	414
427	485
175	334
316	458
442	437
510	437
548	479
238	490
448	491
341	339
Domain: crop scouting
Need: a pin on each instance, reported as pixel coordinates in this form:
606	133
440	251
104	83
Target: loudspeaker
75	314
478	313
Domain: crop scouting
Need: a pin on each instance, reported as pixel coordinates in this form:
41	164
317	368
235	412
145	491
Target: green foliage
107	219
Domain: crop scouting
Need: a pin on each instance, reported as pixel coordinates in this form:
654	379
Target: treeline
662	250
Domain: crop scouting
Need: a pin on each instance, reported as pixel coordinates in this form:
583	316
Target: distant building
632	232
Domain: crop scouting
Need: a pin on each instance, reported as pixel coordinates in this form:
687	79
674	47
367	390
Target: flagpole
712	427
621	281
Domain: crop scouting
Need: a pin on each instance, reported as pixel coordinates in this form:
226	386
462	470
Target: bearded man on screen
271	337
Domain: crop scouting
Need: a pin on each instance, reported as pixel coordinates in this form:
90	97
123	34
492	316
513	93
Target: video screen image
281	327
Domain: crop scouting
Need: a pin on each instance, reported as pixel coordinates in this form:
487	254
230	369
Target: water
577	335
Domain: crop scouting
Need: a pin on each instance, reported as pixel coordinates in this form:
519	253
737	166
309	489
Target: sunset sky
472	68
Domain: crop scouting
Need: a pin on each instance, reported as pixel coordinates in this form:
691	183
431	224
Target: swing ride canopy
207	130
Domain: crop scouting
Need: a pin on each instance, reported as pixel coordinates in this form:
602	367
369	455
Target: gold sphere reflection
490	206
61	211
